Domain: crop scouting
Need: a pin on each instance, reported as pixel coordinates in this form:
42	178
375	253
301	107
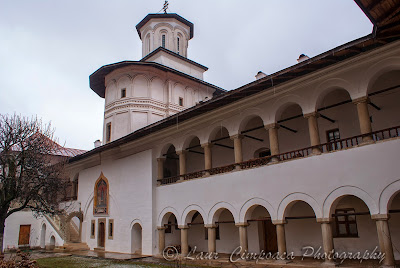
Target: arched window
178	44
148	43
163	41
101	196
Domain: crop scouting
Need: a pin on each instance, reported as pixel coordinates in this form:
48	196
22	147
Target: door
271	243
102	234
24	235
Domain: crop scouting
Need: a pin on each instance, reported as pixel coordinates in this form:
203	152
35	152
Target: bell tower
167	30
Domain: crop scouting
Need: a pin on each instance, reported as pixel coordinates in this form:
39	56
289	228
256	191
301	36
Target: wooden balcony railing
324	148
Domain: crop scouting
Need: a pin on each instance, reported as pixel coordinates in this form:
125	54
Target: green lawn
80	262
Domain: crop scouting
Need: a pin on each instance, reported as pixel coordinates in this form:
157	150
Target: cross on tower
165	7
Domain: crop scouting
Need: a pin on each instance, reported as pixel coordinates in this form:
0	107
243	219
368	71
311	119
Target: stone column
160	162
161	239
184	240
280	236
363	117
207	155
327	239
273	139
314	132
385	239
212	245
243	237
237	145
182	162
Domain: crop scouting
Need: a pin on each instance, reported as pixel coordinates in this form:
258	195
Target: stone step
75	247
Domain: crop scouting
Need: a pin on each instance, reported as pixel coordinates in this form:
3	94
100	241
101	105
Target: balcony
325	148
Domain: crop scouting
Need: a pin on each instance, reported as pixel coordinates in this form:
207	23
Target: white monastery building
306	156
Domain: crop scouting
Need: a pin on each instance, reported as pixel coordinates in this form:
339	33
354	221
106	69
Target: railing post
313	132
363	117
273	140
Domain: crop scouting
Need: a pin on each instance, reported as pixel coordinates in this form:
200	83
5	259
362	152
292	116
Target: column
160	163
237	145
385	240
243	237
281	238
184	240
161	239
327	239
207	155
314	132
363	117
182	162
273	139
212	246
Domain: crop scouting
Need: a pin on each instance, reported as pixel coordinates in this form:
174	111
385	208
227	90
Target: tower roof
165	16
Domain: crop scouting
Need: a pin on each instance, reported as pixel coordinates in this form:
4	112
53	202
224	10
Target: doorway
269	238
101	240
24	235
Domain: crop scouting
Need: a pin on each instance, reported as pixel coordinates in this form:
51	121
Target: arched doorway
136	239
101	238
52	242
43	236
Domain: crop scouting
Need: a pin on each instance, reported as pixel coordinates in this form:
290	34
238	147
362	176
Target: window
92	229
180	101
163	41
178	44
108	132
216	233
123	93
332	136
110	229
346	223
101	196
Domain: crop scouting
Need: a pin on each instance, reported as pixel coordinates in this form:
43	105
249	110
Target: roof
165	16
384	14
175	55
97	79
301	69
68	152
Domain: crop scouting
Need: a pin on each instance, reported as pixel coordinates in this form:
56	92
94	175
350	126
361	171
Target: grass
81	262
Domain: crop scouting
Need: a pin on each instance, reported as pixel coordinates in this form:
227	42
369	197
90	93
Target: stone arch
165	149
52	242
215	130
289	201
387	195
375	71
182	31
68	225
251	204
88	204
188	140
328	86
165	214
281	104
216	210
245	120
336	195
190	211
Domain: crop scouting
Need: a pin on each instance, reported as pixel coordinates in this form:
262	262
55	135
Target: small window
180	101
346	223
216	233
110	229
178	44
108	132
332	136
163	41
92	229
123	93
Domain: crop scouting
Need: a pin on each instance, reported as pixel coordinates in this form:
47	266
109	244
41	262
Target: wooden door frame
102	220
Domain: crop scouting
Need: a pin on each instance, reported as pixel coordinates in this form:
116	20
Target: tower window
163	40
180	101
108	132
178	44
123	93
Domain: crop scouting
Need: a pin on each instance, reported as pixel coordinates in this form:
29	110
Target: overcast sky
49	48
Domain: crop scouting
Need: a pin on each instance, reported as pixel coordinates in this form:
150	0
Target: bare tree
30	176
